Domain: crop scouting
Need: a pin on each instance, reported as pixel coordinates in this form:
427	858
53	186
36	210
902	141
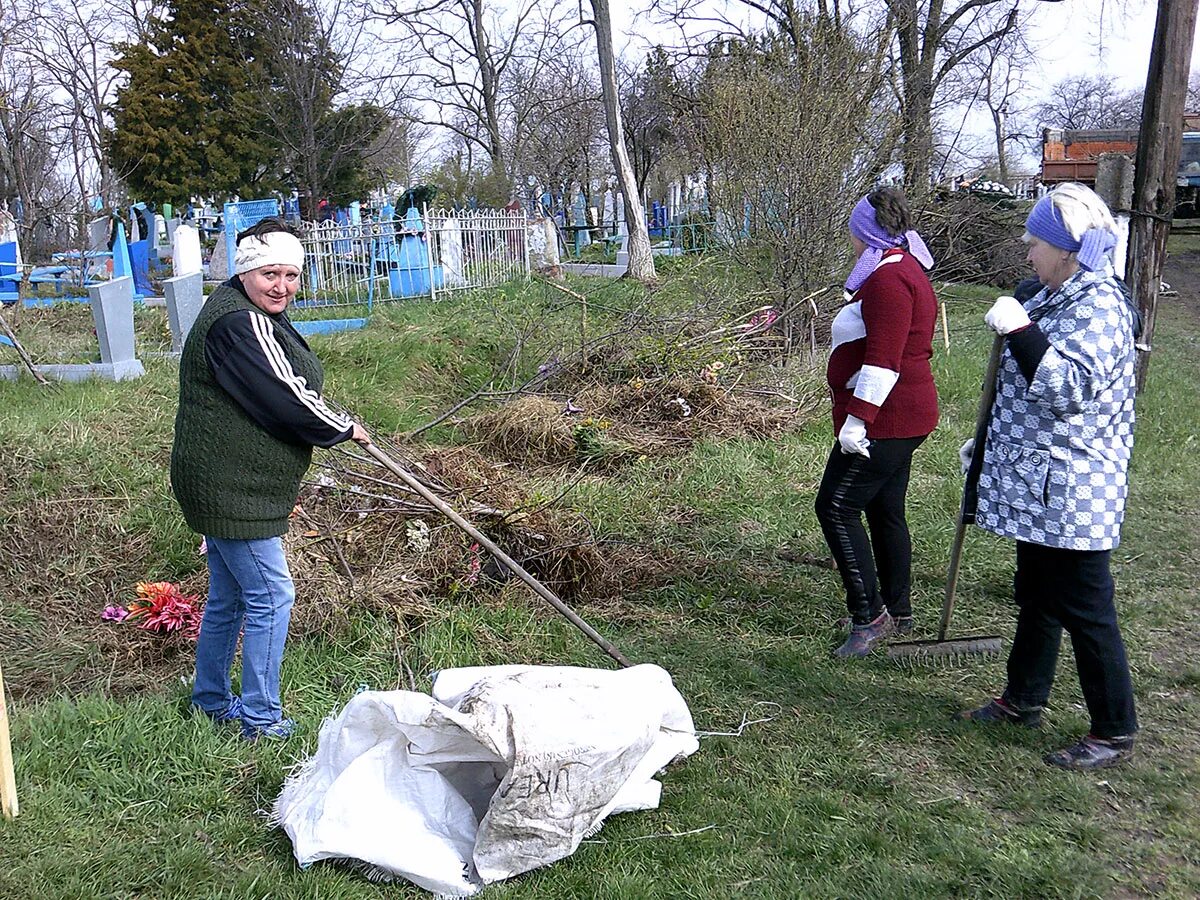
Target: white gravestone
185	251
452	253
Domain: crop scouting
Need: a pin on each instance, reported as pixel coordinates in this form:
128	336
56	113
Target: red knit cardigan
887	327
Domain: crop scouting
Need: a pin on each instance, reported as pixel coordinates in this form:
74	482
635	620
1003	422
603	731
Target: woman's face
1052	264
859	247
271	288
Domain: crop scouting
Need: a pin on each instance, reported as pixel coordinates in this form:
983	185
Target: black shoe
999	710
1093	753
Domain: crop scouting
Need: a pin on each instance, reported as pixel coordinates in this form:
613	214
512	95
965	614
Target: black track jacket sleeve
248	362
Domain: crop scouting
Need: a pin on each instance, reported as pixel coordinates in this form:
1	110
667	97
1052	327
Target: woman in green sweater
250	412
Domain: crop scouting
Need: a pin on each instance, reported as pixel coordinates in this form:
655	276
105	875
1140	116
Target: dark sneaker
1000	710
232	713
1093	753
863	638
276	731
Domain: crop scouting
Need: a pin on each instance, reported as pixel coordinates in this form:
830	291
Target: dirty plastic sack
504	769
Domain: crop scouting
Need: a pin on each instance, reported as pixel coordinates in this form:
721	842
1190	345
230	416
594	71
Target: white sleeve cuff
874	384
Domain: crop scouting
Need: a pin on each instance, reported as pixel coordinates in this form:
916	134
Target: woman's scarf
864	226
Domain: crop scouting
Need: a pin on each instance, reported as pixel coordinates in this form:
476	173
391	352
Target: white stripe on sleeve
263	330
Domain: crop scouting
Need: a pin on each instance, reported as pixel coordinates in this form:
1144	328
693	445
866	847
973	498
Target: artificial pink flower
114	613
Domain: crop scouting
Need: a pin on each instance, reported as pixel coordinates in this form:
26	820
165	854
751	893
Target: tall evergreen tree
191	120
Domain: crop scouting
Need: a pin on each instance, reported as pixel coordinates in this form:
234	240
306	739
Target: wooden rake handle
8	777
503	558
966	509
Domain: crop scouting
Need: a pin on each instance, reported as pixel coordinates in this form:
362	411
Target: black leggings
852	485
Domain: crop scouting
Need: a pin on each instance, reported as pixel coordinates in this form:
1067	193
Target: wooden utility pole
641	255
1159	145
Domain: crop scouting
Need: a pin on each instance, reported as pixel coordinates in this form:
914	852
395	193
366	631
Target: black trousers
1071	589
853	485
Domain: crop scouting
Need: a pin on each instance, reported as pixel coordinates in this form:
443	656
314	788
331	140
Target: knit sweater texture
885	334
232	477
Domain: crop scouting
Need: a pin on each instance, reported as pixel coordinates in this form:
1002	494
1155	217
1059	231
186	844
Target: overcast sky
1080	37
1076	37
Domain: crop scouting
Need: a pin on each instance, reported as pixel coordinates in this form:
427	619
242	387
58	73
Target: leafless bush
793	134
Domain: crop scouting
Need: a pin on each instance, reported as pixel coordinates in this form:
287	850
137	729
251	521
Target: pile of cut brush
626	396
362	539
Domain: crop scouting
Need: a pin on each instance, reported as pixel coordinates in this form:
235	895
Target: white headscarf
277	248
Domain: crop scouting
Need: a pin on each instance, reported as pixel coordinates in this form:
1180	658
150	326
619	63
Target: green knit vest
232	478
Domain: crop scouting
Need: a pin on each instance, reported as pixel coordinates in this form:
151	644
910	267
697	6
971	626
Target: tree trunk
641	257
1001	145
1159	146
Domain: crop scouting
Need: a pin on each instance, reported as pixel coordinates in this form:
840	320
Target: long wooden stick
21	352
966	510
503	558
8	776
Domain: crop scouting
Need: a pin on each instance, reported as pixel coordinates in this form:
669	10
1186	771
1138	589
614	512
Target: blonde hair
1081	209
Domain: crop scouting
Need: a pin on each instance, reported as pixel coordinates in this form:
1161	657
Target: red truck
1071	155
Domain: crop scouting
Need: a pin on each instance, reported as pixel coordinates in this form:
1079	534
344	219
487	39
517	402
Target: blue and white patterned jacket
1057	452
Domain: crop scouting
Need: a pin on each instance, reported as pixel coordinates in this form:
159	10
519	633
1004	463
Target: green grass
858	786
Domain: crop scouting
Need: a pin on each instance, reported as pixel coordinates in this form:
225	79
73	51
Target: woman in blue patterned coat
1054	474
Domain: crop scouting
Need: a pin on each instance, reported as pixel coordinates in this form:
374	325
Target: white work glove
1006	316
853	436
965	452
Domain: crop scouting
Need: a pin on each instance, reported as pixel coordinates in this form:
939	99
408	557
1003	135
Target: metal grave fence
412	257
476	248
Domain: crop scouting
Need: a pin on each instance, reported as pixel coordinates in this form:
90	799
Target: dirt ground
1182	273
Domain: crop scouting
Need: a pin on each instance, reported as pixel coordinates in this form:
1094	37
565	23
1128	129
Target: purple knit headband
1045	222
865	227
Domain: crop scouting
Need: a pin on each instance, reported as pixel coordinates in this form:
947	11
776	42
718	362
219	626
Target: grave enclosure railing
441	252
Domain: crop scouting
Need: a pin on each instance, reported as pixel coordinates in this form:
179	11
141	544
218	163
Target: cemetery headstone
185	250
112	312
451	245
218	265
185	297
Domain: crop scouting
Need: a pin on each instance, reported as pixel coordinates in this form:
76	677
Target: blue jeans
250	589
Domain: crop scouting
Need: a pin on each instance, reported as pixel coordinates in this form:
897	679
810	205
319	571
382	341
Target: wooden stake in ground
8	776
1159	146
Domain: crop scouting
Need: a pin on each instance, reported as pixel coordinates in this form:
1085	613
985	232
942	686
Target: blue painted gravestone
241	215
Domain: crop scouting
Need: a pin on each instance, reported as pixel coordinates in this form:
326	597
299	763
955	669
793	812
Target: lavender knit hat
867	229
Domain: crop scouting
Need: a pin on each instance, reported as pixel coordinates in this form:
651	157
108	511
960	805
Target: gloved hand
1006	316
853	436
965	452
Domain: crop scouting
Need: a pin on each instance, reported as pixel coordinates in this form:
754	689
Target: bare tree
1089	101
931	38
558	123
335	104
995	78
641	256
468	49
72	42
30	155
649	113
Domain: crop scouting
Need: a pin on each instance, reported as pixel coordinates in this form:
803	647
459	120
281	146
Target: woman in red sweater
884	406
